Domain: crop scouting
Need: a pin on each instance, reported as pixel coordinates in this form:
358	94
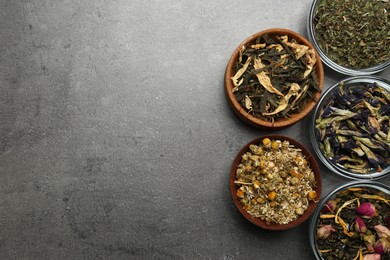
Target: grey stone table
116	139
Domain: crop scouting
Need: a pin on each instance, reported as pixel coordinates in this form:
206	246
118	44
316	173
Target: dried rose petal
372	257
359	225
329	206
325	231
367	210
382	231
381	246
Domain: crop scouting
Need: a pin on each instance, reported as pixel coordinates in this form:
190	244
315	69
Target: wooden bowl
280	122
257	221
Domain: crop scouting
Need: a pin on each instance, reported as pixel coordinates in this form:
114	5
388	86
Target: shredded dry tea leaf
276	181
354	34
354	224
276	76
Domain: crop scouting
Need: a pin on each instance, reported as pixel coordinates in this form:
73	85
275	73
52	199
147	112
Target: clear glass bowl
314	218
328	61
327	95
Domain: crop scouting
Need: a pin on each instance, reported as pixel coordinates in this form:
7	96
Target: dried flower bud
329	206
382	246
325	231
369	241
367	210
372	257
382	231
359	225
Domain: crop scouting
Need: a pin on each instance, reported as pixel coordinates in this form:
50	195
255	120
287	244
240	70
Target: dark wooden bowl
257	221
280	122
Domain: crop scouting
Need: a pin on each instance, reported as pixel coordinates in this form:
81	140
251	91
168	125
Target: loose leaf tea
355	225
354	33
353	127
276	181
275	77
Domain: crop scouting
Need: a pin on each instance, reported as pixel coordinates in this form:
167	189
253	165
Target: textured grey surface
116	140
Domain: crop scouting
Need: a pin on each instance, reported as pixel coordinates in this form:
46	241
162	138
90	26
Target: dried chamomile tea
353	127
275	77
355	225
275	181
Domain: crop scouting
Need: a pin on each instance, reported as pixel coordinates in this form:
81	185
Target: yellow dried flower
274	145
266	141
272	195
262	164
240	193
260	200
312	194
256	149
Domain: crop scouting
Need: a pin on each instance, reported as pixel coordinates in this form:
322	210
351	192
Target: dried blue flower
353	127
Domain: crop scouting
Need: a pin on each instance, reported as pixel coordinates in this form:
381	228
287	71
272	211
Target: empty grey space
116	140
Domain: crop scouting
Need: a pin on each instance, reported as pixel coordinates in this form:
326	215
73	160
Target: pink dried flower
367	210
381	246
359	225
329	206
372	257
369	241
382	231
325	231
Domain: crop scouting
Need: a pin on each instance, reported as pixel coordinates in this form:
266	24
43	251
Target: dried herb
276	181
353	127
356	227
354	33
275	77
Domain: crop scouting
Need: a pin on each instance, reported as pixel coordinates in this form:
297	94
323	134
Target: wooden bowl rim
312	205
281	122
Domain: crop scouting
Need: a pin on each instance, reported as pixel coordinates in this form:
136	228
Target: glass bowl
324	204
312	202
327	60
318	138
280	122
